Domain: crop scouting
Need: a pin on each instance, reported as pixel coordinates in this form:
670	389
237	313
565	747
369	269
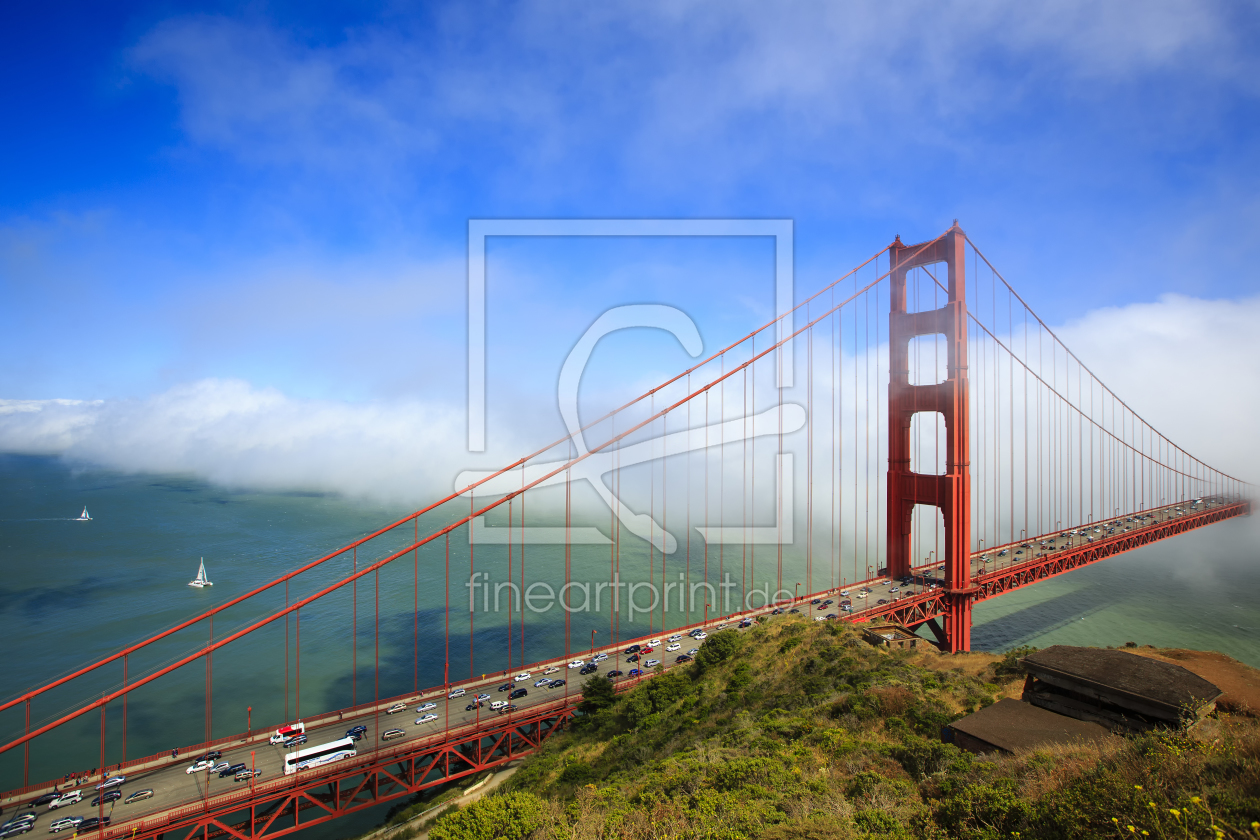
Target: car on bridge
554	669
296	740
396	708
107	797
93	823
652	663
14	829
510	707
356	732
635	672
246	775
682	657
429	718
483	697
632	649
64	823
70	797
634	657
459	692
675	646
556	684
476	704
233	770
612	675
424	707
199	765
507	686
111	782
519	693
542	682
45	799
702	635
282	734
588	669
139	796
577	663
523	676
391	734
599	657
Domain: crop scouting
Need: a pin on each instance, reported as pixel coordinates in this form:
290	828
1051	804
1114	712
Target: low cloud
1191	367
231	433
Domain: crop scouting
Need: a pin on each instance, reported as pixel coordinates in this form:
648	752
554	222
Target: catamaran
201	579
84	517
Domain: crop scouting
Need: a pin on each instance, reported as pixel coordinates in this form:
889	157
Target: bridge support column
951	492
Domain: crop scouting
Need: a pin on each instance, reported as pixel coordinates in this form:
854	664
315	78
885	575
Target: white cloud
237	435
1191	367
548	80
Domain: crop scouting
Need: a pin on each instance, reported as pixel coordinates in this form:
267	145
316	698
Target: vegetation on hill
799	729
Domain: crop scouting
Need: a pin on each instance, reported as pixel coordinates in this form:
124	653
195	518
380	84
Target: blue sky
277	194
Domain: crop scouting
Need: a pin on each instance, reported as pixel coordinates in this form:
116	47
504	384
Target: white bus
316	756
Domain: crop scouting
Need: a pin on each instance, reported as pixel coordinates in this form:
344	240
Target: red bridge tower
951	492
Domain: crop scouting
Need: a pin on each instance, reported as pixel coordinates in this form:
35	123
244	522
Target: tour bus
316	756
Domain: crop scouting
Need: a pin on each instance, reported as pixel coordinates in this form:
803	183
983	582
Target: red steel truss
296	802
926	608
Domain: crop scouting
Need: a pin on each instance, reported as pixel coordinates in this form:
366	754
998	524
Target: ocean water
73	592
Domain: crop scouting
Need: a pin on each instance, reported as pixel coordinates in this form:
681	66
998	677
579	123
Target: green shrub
511	816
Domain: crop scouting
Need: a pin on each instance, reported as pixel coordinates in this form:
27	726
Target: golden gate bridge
943	443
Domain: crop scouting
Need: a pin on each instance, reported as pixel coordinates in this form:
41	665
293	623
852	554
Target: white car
67	798
576	663
523	676
459	692
654	643
675	638
65	823
702	635
199	765
844	593
426	719
599	657
552	670
651	663
426	707
675	646
499	704
693	651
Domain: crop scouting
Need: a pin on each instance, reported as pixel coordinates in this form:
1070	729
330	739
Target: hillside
797	729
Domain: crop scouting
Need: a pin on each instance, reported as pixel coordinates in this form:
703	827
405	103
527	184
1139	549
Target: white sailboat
84	517
201	579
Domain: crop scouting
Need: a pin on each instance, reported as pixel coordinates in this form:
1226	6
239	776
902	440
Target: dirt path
1241	683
